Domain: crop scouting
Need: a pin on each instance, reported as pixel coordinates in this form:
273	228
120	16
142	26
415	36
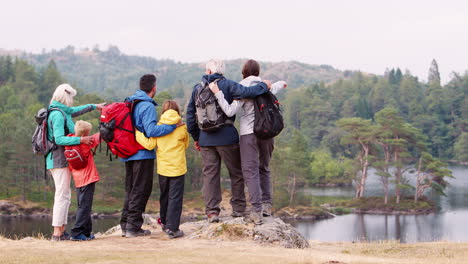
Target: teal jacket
56	158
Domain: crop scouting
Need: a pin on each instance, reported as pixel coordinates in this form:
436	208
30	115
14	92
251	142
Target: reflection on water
405	228
448	224
21	227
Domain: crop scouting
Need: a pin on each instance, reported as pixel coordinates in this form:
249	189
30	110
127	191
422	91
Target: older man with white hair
222	143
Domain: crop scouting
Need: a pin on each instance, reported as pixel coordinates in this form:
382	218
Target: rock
273	231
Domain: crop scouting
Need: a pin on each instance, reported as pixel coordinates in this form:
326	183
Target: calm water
17	228
449	224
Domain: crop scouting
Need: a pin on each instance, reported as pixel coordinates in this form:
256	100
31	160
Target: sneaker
63	237
213	218
141	232
171	234
124	232
256	218
237	214
80	238
266	209
91	237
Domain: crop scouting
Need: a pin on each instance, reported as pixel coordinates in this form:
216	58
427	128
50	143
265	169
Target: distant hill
114	75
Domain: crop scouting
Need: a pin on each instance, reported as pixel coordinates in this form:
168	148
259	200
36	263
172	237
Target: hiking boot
255	217
237	214
171	234
81	237
213	218
141	232
266	210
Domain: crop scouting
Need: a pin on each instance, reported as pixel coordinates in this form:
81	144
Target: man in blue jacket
222	144
139	168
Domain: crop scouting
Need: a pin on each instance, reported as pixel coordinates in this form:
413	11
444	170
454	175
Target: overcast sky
358	35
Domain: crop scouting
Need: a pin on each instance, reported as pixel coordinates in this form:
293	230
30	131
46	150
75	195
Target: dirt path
159	249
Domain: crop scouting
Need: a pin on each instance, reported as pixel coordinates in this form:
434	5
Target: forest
338	124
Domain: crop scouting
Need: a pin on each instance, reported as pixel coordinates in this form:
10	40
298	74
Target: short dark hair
251	67
147	82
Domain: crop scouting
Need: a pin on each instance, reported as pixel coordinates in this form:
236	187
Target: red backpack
117	129
75	158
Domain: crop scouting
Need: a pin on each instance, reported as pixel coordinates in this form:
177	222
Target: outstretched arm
151	128
239	91
82	109
278	86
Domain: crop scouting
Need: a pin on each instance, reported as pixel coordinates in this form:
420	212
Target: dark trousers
138	187
255	156
171	200
211	159
83	224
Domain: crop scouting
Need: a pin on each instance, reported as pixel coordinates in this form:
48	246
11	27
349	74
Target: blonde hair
170	104
64	94
216	66
82	128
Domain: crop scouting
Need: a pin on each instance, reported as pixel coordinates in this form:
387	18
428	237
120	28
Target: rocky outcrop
273	232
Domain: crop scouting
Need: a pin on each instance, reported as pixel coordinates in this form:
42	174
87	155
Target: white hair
216	66
64	94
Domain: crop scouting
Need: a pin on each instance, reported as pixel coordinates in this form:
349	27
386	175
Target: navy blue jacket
227	135
145	120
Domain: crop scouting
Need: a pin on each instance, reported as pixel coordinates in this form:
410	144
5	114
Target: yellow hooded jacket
171	148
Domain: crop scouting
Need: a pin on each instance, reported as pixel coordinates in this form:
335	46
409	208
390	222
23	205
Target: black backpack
268	119
210	116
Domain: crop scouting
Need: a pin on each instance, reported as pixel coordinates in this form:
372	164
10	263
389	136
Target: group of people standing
247	162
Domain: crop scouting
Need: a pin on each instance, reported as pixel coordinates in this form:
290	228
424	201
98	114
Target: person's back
139	168
89	173
222	144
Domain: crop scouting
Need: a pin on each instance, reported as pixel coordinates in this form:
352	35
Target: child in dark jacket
85	180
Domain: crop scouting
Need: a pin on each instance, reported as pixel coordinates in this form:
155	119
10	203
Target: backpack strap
65	127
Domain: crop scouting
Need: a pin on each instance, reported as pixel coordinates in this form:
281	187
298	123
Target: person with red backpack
81	163
139	168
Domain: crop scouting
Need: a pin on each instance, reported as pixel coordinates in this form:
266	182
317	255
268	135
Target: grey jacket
245	107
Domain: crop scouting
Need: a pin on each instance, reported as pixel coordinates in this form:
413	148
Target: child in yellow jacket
171	167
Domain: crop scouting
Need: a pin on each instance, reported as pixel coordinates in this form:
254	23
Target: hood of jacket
208	78
251	80
170	117
141	95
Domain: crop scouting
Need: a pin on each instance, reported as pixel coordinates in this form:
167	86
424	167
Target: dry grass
159	249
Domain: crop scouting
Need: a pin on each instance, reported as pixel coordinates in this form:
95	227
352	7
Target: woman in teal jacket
60	124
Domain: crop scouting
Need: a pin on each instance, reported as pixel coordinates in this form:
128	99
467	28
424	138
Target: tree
461	148
359	132
297	163
398	138
433	77
431	173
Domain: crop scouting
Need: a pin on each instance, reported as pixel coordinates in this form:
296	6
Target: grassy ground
159	249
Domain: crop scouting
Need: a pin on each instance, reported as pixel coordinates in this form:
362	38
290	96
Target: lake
19	227
448	224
